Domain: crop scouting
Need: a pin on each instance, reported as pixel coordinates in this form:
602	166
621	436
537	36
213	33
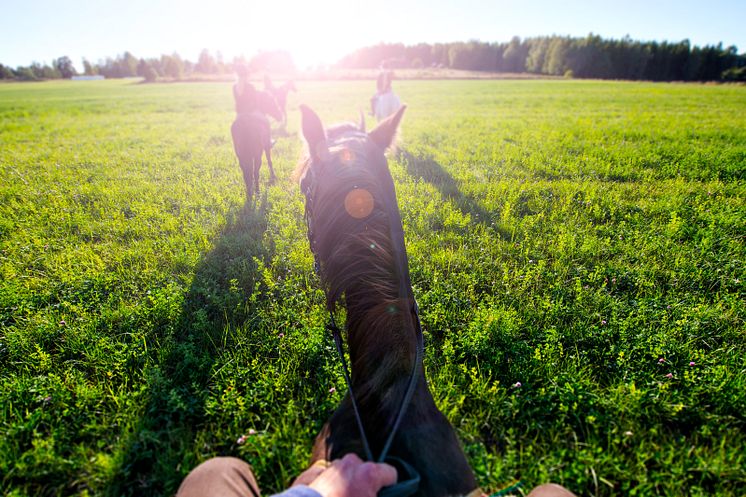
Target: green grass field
585	239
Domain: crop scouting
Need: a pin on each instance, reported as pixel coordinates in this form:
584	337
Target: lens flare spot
359	203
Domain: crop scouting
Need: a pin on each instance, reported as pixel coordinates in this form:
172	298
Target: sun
314	33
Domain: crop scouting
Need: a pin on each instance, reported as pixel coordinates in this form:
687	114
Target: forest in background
575	57
588	57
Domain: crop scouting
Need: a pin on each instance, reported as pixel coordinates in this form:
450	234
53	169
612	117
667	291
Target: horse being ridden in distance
356	235
385	102
280	94
251	138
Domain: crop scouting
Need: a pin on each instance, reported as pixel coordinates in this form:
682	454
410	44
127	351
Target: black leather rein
409	478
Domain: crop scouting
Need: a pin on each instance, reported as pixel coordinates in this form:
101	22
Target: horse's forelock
341	139
343	131
353	162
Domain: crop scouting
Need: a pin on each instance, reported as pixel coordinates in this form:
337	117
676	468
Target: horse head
346	177
267	104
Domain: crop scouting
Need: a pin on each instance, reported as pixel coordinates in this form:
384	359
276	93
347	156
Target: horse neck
360	265
266	104
380	327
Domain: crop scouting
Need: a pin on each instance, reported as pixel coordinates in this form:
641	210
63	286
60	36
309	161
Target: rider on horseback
383	85
244	92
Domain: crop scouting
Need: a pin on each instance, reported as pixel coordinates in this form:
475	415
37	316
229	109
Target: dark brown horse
280	94
356	235
251	138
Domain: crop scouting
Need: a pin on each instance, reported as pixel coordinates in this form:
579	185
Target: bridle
410	484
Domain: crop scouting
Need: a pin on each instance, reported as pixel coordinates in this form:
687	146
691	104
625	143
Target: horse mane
356	262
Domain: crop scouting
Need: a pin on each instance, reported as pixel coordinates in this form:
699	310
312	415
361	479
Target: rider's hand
311	473
351	477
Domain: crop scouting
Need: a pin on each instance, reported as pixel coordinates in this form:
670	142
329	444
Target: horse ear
385	132
313	132
361	126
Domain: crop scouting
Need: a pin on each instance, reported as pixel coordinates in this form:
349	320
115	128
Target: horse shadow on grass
430	171
160	447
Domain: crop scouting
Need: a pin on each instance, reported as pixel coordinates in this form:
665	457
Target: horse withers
355	233
252	137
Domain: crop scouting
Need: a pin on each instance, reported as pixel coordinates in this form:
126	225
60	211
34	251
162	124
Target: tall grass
576	248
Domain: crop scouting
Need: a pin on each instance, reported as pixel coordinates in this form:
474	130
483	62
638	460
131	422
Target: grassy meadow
576	248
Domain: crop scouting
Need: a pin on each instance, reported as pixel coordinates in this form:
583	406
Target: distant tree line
61	68
170	66
588	57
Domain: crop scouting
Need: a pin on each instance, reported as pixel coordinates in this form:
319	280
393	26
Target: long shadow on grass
427	169
177	381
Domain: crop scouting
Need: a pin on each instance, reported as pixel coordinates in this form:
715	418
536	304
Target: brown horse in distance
280	94
355	234
251	138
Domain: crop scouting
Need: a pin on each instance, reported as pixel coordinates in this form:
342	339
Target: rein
396	232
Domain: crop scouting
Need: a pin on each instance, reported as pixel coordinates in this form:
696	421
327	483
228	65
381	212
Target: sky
322	31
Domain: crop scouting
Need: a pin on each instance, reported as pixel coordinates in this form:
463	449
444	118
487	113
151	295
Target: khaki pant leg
220	477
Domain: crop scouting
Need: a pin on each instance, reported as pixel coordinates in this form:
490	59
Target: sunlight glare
313	33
